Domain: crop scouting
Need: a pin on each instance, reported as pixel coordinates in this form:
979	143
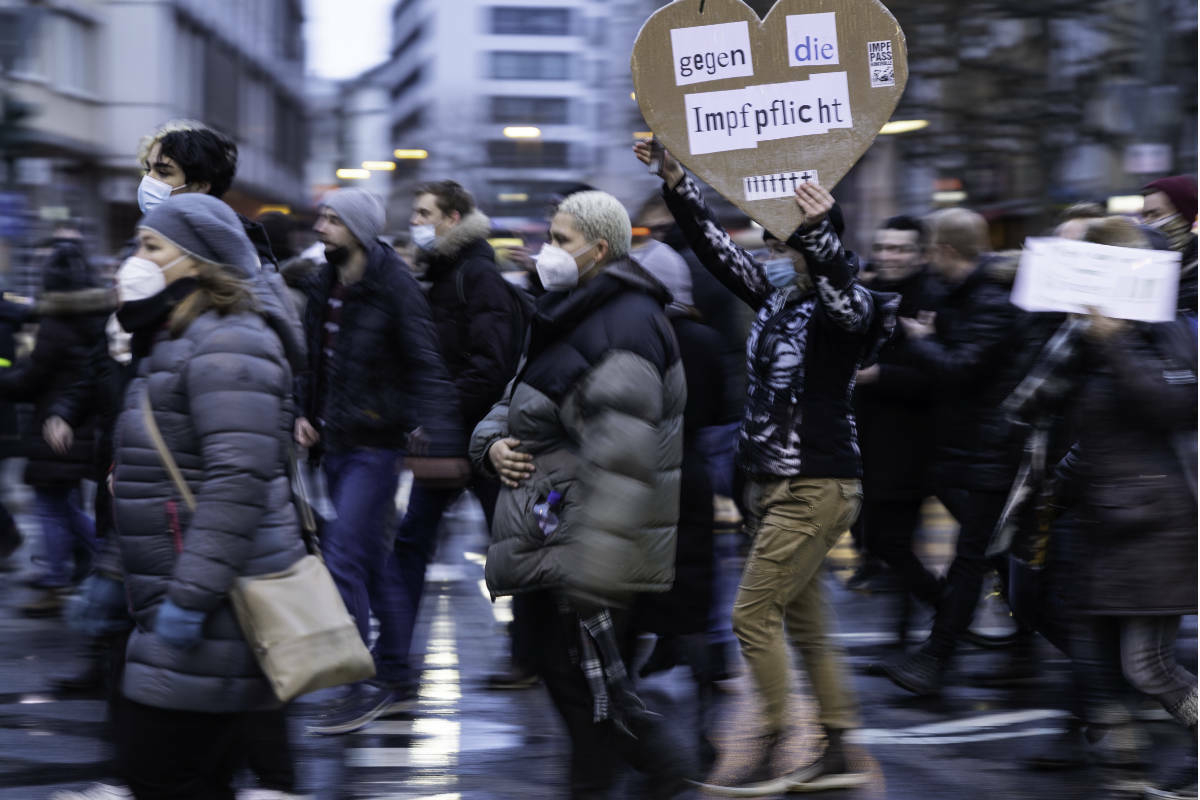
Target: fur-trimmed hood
473	228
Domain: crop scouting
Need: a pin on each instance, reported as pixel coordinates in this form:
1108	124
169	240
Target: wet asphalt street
462	742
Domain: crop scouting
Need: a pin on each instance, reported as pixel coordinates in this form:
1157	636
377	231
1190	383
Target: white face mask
423	236
556	268
139	278
152	192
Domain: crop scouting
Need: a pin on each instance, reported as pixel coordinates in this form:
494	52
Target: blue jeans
357	544
416	543
68	534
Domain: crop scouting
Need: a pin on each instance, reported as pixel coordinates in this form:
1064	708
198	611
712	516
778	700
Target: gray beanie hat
361	211
205	228
664	263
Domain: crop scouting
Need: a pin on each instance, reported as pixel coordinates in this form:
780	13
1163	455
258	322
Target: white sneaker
97	791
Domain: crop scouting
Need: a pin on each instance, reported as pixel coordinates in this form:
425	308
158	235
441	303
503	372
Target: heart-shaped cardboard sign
754	107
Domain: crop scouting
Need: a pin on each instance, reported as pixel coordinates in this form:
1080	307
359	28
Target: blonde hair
219	290
964	231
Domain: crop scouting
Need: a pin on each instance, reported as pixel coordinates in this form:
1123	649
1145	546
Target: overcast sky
346	36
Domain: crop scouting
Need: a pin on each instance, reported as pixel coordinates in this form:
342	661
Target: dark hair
904	222
278	227
449	195
204	155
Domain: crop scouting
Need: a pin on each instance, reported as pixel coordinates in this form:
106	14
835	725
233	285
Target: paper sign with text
1065	275
812	83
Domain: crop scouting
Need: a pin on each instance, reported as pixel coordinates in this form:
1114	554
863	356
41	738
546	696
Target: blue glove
100	607
179	627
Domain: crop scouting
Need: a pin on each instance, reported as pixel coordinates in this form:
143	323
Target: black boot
922	673
92	679
833	770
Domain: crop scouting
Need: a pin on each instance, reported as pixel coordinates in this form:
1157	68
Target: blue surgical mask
423	236
781	272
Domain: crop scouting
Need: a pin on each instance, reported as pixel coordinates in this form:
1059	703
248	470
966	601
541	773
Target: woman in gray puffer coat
219	381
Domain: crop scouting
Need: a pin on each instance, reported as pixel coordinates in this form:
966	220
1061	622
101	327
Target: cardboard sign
753	107
1122	282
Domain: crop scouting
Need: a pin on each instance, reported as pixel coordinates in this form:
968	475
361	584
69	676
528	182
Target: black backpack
520	321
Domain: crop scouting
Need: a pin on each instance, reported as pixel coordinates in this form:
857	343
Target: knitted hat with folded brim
207	229
359	210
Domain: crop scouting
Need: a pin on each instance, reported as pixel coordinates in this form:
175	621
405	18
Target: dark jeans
178	755
977	513
889	527
357	547
68	534
415	545
597	748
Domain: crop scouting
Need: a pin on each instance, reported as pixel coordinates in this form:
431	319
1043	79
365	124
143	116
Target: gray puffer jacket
598	401
221	395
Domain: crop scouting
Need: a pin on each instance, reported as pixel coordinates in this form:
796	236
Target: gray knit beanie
205	228
361	211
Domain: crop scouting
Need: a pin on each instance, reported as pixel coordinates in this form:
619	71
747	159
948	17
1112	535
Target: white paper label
711	53
738	119
1122	282
779	184
812	40
879	59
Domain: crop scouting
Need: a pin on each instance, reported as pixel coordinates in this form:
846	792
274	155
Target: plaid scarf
598	655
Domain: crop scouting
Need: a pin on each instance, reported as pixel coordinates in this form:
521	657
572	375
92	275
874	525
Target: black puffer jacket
1136	421
387	376
72	314
481	338
895	417
975	360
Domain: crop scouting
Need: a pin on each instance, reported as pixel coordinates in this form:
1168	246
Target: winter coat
599	403
894	412
804	350
685	609
13	315
481	337
1137	428
71	323
221	394
975	359
387	376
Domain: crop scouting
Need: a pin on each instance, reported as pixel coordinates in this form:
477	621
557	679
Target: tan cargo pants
800	520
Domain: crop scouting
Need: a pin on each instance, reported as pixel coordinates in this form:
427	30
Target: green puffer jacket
598	401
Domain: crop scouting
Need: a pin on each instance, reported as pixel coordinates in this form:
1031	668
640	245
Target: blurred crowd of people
596	406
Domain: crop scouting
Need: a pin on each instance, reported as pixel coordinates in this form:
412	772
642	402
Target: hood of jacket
558	309
276	306
447	250
76	302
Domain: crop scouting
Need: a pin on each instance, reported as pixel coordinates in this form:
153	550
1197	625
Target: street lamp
379	166
410	155
353	174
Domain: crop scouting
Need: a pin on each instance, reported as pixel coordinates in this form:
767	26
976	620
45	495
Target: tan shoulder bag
294	620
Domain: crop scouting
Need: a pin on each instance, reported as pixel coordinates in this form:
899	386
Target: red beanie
1182	191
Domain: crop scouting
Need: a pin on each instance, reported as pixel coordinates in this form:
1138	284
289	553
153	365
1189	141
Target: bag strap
164	454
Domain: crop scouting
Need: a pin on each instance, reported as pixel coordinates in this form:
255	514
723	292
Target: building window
525	21
527	154
221	86
76	54
531	66
531	110
410	80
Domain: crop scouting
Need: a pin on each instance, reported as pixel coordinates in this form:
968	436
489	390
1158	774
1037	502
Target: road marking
968	729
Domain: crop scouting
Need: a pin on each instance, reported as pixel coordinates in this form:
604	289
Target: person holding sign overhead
816	326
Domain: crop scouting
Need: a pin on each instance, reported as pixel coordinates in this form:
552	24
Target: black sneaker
361	707
921	673
512	678
830	771
1186	791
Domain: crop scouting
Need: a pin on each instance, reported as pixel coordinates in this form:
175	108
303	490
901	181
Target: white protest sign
748	103
1121	282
